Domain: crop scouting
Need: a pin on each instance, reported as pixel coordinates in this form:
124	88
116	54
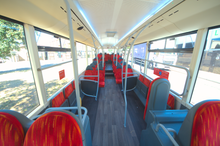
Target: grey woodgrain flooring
107	116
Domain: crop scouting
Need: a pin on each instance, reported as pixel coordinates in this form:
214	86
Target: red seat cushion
171	101
141	78
101	84
68	90
58	100
89	73
54	128
146	82
206	130
118	81
11	131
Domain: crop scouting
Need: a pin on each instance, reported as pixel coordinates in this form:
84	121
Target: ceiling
120	16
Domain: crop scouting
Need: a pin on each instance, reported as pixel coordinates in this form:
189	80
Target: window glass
160	44
182	42
17	87
65	43
81	57
139	54
208	80
52	79
177	77
44	39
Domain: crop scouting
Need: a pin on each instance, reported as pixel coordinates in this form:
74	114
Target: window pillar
35	63
195	62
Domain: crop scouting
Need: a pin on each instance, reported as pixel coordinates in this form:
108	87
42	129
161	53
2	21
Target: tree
11	37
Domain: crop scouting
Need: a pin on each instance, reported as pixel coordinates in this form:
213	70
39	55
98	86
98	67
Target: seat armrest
169	116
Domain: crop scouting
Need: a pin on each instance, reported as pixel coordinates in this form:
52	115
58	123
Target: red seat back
68	90
171	101
54	128
89	73
206	130
11	131
146	82
141	78
58	100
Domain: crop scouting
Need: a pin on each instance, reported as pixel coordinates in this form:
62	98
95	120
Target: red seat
148	95
68	90
146	82
89	73
58	100
141	78
206	130
171	101
11	130
54	128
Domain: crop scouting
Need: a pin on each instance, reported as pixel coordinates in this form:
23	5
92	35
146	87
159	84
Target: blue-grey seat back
89	67
118	66
100	67
158	96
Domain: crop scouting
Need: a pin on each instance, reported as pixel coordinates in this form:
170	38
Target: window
207	85
55	56
139	52
81	57
160	44
17	87
45	39
175	50
181	42
177	77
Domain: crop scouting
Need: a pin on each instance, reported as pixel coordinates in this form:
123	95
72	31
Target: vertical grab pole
116	57
74	60
97	60
124	58
103	57
125	86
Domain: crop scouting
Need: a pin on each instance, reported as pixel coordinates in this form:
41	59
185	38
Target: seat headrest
54	128
120	58
94	62
11	130
118	66
92	65
100	67
200	124
89	68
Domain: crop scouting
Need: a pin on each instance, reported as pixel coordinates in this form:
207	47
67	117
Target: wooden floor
107	116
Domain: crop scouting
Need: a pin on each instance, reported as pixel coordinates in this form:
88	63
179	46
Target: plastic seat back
69	94
201	125
55	128
11	130
157	96
59	101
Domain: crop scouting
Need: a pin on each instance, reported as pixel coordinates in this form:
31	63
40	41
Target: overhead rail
74	58
177	66
125	85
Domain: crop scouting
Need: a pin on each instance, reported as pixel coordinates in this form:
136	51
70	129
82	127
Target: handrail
167	133
177	66
43	68
69	108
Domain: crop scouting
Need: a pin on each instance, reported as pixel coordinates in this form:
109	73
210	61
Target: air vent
171	14
111	33
176	11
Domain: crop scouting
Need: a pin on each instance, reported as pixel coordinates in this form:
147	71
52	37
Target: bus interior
109	72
